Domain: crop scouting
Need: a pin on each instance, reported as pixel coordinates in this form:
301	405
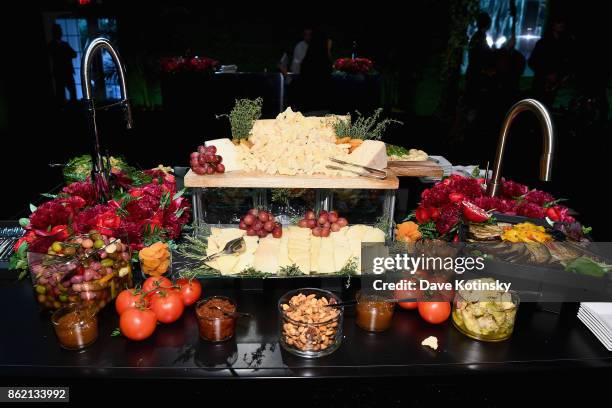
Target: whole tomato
167	305
128	298
190	290
408	294
434	312
155	282
137	323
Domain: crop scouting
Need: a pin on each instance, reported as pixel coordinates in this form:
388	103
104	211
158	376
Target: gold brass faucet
548	134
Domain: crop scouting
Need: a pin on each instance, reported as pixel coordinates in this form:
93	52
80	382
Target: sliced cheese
373	235
326	256
245	261
315	246
228	152
283	253
342	249
227	263
267	254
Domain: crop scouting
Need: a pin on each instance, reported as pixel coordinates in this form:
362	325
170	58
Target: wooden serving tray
256	179
425	168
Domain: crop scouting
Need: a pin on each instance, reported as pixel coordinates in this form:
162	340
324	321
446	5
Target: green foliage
244	113
363	128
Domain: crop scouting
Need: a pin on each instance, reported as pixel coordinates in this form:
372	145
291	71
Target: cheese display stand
294	152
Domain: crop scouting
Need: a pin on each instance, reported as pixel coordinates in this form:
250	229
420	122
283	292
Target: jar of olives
88	269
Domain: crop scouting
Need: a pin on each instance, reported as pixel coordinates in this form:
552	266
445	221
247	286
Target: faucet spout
548	142
100	174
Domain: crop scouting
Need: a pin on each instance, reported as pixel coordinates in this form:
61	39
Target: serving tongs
377	174
235	246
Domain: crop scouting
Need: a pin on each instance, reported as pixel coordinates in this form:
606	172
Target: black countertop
541	341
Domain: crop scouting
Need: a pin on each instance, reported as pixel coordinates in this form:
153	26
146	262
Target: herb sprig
363	128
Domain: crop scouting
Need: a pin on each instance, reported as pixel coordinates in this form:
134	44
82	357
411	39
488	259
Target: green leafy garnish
363	128
587	266
242	117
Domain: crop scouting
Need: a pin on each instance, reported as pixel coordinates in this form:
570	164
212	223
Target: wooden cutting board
255	179
425	168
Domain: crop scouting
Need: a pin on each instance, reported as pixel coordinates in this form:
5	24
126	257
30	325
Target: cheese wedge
371	153
227	150
227	263
245	261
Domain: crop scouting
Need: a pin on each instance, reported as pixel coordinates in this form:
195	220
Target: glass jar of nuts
309	326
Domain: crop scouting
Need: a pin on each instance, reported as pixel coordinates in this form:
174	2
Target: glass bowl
307	328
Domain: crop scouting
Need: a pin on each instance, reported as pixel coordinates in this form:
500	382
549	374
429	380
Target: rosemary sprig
363	127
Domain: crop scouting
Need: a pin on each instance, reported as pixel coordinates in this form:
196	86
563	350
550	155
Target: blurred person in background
314	83
62	54
551	61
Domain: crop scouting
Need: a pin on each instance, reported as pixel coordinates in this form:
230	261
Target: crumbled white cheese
431	341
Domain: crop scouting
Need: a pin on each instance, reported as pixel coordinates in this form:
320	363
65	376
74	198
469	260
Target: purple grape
103	254
88	275
77	287
76	279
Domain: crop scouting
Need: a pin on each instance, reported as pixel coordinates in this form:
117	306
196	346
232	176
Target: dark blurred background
420	51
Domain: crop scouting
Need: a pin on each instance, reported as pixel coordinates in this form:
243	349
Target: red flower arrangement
354	65
439	211
154	211
188	64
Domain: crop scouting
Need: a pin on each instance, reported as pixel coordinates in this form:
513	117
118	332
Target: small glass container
216	325
307	326
374	313
483	319
155	260
76	326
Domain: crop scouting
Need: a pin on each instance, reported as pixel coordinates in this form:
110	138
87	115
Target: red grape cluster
323	224
206	161
260	223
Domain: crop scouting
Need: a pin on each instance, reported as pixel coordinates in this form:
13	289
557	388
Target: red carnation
512	189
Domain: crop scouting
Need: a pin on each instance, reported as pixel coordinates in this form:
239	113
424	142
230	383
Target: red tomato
167	305
434	312
190	290
474	213
552	214
126	299
407	294
137	324
156	282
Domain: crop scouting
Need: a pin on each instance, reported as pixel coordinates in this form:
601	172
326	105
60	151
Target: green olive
41	289
63	298
57	246
107	262
98	243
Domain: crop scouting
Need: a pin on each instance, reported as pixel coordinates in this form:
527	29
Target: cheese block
227	150
298	248
371	153
326	256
